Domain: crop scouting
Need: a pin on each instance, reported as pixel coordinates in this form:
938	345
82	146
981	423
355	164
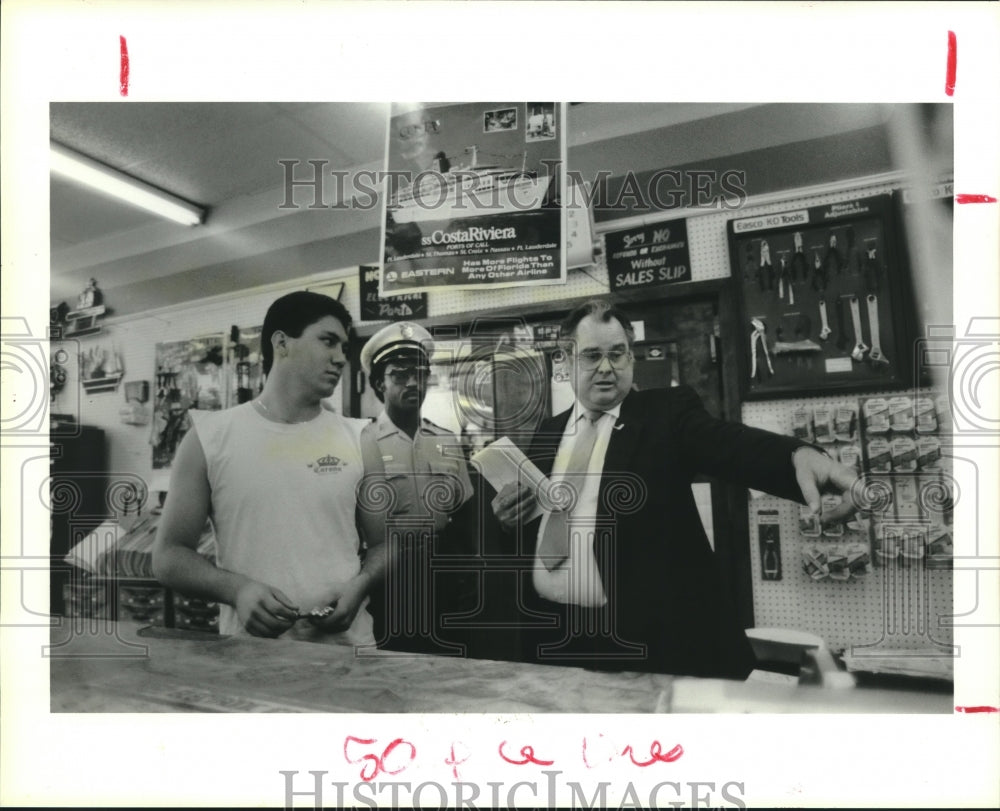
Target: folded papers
502	463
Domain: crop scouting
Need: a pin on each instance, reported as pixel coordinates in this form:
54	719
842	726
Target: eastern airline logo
327	464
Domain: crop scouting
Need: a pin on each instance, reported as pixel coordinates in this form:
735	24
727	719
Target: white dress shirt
578	579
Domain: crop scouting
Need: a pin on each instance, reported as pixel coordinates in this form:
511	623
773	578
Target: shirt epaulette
427	425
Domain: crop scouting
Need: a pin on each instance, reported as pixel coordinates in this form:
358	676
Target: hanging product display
792	267
769	541
906	493
911	478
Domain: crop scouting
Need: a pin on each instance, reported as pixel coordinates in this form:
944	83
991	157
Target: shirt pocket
400	479
446	479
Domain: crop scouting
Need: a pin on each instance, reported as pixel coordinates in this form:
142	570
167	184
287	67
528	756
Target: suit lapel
622	445
546	441
617	461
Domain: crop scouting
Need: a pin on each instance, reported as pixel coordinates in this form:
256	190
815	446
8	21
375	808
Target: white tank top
283	503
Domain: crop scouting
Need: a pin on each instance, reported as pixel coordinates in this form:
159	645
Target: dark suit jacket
659	571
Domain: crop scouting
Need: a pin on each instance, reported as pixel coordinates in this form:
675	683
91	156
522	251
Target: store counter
124	667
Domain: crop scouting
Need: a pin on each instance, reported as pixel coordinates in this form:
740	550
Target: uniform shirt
283	507
578	580
415	469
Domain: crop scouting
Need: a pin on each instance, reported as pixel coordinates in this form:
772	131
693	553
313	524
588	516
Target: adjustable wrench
825	330
859	346
875	356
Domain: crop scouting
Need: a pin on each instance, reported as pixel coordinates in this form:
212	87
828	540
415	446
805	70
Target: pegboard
712	260
895	607
709	255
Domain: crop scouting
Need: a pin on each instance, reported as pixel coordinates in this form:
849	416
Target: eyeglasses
591	358
402	376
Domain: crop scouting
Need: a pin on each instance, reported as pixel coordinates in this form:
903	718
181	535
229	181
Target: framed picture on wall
825	303
189	376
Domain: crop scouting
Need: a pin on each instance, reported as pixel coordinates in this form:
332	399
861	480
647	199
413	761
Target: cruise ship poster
472	196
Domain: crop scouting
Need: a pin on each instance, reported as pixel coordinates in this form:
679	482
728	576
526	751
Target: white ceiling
224	156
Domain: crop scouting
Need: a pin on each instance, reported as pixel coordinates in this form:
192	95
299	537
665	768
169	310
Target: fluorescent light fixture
80	168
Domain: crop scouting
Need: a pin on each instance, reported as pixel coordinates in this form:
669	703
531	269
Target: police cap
402	336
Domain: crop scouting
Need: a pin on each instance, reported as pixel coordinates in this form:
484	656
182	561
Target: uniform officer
425	466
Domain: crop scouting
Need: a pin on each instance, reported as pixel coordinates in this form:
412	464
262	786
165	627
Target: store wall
797	603
135	340
135	337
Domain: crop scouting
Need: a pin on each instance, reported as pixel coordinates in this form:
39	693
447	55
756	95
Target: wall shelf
96	385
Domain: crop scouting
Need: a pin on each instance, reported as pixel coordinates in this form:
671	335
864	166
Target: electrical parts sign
473	196
650	256
409	307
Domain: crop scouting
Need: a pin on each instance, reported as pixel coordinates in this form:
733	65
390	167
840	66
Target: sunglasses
402	376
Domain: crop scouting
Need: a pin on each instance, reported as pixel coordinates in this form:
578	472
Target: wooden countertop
124	667
196	672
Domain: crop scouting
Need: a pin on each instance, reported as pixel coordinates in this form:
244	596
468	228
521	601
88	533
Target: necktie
553	548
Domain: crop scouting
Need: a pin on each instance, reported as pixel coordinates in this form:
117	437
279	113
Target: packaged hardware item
845	421
769	541
831	502
809	525
814	563
837	563
937	497
879	456
901	414
948	505
823	424
903	451
940	546
926	416
876	412
858	558
942	409
886	546
859	522
928	453
913	546
802	425
850	456
907	498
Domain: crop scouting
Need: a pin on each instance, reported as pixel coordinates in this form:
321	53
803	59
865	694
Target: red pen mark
974	198
528	753
123	72
977	709
392	748
949	79
655	754
377	764
454	762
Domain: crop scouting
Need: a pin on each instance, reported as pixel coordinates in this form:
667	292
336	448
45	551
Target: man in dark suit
620	557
